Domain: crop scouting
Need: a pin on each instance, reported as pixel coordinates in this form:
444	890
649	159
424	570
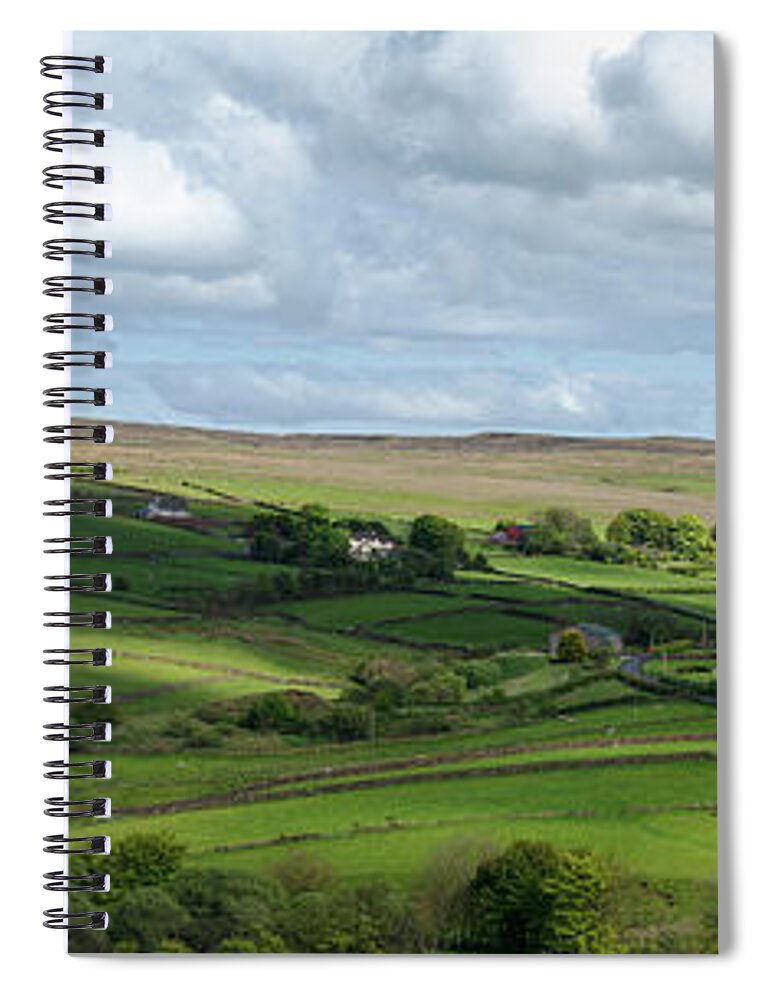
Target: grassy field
575	756
470	479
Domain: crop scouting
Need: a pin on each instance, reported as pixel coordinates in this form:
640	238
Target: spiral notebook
392	569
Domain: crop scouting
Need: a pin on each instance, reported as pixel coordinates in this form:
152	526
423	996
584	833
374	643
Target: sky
412	233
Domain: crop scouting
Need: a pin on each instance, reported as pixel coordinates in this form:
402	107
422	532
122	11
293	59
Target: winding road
633	668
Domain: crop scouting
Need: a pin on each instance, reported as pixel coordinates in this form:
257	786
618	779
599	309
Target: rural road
633	667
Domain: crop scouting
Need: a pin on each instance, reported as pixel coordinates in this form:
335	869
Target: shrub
192	732
441	688
300	871
572	646
271	711
479	673
347	722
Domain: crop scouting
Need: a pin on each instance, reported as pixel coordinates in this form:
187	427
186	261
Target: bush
479	673
382	683
346	723
271	711
571	647
300	871
262	942
601	657
192	732
441	688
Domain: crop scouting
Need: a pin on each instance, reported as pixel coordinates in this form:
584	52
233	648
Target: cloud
323	202
162	213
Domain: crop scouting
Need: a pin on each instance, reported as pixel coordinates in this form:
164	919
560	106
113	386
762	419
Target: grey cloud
479	194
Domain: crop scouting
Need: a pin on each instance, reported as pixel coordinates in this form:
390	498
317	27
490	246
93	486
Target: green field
524	748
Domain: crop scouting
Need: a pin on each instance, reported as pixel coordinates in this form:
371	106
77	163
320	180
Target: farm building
365	546
596	637
511	534
165	508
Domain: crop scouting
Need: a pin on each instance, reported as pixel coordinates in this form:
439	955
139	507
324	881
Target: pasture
571	754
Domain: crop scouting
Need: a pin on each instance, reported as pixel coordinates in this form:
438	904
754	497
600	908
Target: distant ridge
484	441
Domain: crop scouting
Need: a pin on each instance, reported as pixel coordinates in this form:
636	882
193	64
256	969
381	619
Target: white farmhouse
165	508
363	547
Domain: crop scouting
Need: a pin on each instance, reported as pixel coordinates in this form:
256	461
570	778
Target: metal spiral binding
95	322
91	508
61	103
56	175
57	138
54	65
97	471
61	248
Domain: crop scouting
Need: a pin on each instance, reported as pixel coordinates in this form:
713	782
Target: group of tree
686	537
382	695
560	531
306	537
531	898
388	685
309	538
635	535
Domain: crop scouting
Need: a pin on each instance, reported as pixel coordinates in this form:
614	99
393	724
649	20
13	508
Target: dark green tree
440	538
271	711
534	899
223	906
145	917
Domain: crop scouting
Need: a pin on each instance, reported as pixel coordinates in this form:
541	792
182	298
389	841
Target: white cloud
465	195
162	213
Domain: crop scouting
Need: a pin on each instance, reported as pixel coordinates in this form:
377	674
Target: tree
641	528
690	537
143	918
535	899
571	646
444	687
271	711
382	683
345	723
224	905
305	537
560	531
439	537
144	859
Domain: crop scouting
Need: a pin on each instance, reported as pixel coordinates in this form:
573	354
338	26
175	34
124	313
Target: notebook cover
413	572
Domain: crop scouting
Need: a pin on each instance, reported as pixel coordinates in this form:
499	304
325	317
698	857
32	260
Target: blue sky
412	232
